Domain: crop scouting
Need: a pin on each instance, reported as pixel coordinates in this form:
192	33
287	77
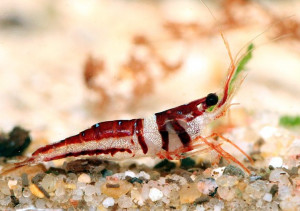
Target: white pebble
217	208
268	197
144	175
200	208
89	190
108	202
276	175
12	183
129	174
155	194
84	178
276	162
216	173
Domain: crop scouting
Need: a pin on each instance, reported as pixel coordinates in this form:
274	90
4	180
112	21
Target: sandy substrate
150	56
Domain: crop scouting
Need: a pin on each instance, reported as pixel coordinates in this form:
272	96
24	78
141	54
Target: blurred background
65	65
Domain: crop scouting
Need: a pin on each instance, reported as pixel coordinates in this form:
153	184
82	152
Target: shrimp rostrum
171	134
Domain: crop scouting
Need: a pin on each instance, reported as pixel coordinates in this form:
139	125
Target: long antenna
222	35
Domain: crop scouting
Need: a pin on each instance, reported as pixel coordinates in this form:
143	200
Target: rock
226	193
207	186
129	174
233	171
12	183
143	175
48	183
189	193
124	202
36	191
155	194
4	188
115	192
84	178
108	202
90	190
14	143
256	190
267	197
277	174
276	162
227	181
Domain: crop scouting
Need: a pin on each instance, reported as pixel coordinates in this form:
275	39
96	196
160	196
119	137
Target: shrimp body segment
166	131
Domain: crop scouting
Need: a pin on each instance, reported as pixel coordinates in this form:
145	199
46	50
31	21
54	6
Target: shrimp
171	134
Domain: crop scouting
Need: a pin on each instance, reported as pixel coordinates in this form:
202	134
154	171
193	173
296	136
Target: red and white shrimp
170	134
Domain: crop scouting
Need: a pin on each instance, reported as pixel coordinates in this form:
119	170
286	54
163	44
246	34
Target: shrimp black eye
211	99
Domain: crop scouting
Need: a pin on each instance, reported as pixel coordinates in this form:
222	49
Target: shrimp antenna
222	34
232	66
261	33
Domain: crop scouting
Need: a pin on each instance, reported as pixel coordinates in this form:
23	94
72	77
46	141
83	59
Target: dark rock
233	171
165	165
14	143
187	163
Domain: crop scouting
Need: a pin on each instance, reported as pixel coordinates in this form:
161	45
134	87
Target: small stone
226	193
135	179
284	192
187	163
108	202
155	194
207	186
106	173
233	171
202	199
26	192
60	191
78	192
137	196
70	186
48	183
165	165
267	197
89	190
4	188
88	198
276	175
256	190
129	174
189	193
217	172
274	189
5	201
200	208
36	191
112	185
24	177
227	181
40	204
84	178
12	183
124	202
37	178
143	175
255	177
276	162
124	187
